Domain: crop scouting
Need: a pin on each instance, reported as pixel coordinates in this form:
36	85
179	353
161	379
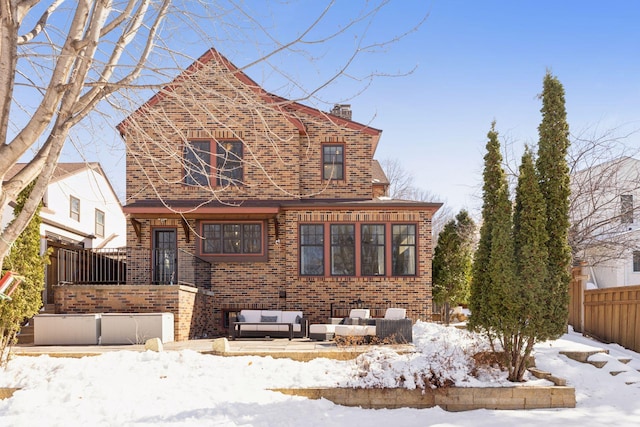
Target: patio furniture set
394	327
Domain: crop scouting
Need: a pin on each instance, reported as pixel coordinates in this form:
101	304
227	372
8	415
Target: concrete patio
301	349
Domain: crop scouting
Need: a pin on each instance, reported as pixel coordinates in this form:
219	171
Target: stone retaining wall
450	398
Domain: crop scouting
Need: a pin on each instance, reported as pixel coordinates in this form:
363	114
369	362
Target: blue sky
476	61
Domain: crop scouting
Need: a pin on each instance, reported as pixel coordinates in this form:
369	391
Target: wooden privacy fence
610	314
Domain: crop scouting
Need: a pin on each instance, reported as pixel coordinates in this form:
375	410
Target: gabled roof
64	170
287	107
377	174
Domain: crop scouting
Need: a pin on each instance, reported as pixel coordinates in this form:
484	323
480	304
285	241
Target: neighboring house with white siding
606	221
80	211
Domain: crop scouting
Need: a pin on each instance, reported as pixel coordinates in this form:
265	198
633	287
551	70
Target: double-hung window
636	261
403	257
373	249
626	208
99	226
333	162
343	250
312	250
74	208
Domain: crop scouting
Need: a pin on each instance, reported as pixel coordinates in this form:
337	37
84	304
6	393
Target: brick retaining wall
192	308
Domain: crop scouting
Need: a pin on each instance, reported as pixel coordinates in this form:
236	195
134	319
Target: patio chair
395	326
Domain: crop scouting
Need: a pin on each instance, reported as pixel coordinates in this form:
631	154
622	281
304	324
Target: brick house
267	203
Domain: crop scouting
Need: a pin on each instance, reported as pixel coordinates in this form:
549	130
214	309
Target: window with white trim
99	223
74	208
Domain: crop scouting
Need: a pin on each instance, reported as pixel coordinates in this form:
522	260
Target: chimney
342	110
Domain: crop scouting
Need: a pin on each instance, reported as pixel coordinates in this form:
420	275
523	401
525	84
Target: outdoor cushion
251	316
355	330
359	312
291	316
268	318
322	328
276	313
395	313
241	318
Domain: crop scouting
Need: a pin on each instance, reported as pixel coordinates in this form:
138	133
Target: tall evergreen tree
25	259
553	173
502	304
493	178
452	260
530	240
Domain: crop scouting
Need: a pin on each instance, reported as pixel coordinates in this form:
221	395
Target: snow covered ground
186	388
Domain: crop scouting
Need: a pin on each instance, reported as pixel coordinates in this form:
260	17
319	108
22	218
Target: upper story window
229	163
99	226
74	208
197	162
232	239
626	208
333	161
636	261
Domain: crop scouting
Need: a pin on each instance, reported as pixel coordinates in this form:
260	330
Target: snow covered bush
444	356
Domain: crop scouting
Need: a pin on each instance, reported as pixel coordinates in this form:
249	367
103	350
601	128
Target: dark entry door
165	256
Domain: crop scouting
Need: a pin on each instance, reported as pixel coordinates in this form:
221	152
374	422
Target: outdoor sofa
326	331
394	327
269	323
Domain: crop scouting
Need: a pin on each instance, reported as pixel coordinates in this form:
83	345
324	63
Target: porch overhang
184	210
164	211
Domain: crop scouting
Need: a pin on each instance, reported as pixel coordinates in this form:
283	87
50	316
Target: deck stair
27	334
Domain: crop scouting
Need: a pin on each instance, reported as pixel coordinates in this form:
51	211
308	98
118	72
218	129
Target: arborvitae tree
553	173
452	260
501	303
530	239
493	178
24	259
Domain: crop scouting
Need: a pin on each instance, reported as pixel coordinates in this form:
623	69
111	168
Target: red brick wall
316	294
283	167
286	166
191	308
246	284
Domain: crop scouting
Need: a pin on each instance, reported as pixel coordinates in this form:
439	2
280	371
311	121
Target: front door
165	256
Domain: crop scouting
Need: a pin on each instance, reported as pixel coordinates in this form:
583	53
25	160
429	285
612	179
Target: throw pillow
240	318
268	318
298	319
